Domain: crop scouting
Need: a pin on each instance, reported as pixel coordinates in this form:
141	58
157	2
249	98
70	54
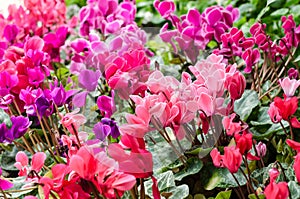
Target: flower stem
240	188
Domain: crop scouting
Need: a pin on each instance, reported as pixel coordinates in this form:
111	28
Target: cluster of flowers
31	41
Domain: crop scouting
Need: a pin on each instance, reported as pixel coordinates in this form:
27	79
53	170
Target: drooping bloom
230	125
276	190
231	159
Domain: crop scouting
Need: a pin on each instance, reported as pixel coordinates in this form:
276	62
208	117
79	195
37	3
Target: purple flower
19	127
3	130
106	127
43	106
88	79
59	95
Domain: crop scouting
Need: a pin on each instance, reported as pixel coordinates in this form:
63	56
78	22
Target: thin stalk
142	193
291	130
240	188
3	193
27	145
43	127
249	177
285	132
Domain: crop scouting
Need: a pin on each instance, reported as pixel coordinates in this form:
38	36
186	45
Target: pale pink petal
22	158
38	160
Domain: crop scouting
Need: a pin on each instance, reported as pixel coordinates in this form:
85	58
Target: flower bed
99	101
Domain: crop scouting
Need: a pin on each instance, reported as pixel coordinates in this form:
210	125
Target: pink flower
72	121
276	190
289	86
165	8
274	113
251	57
230	125
84	163
37	162
261	149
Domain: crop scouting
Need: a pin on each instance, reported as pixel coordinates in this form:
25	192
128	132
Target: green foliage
167	186
222	178
224	195
194	165
244	106
4	118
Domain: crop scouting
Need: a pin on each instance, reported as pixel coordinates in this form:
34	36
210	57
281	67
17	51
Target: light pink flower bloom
289	86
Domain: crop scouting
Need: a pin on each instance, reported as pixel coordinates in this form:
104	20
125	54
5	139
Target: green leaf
8	160
222	178
181	191
294	188
244	106
263	117
224	195
199	196
269	2
4	118
252	196
19	182
167	186
194	166
295	11
262	13
280	12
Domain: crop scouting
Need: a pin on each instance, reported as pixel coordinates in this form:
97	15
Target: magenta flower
5	184
293	73
165	8
10	32
36	76
107	104
251	57
7	82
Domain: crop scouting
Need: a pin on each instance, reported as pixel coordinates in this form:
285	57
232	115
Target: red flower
276	191
243	141
231	159
286	107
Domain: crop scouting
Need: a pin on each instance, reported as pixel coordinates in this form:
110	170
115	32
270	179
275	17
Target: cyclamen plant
90	110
